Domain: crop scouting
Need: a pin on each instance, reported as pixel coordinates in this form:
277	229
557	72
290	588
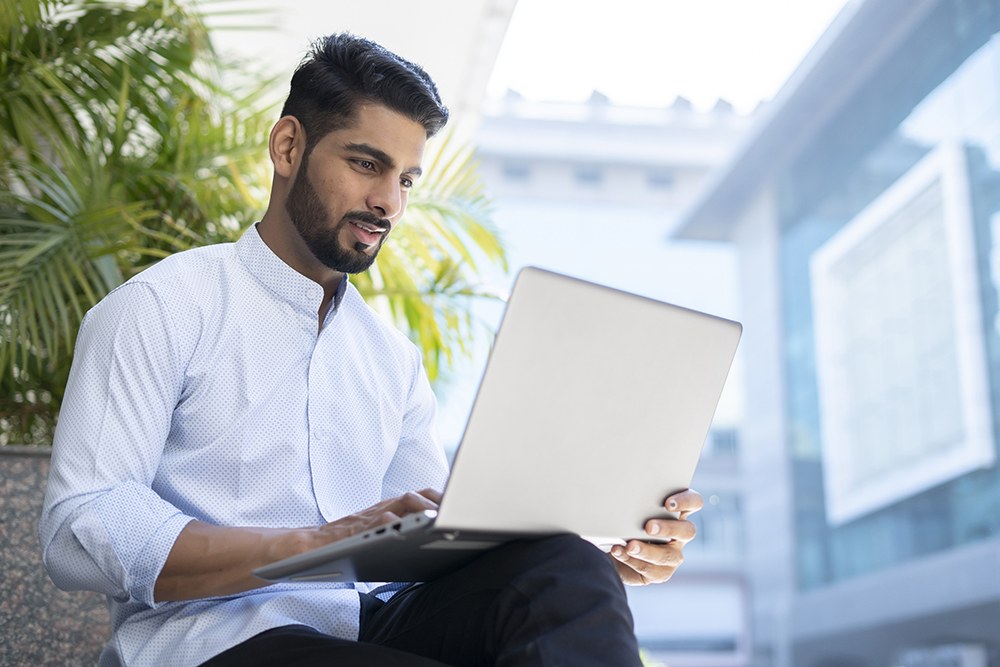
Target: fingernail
633	549
653	529
673	504
617	552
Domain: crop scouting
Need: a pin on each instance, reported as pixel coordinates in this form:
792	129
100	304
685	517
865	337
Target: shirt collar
285	282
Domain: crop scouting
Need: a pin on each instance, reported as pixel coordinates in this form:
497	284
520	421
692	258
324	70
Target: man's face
351	189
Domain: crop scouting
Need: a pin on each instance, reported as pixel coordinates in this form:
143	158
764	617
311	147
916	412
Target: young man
238	404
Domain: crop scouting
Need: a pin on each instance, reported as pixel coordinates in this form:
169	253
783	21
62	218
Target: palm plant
119	145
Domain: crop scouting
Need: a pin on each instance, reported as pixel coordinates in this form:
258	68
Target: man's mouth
368	233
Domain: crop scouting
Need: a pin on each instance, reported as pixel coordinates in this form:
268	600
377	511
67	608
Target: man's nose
386	200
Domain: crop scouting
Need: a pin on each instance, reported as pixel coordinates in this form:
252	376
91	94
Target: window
724	442
660	180
588	175
516	172
899	352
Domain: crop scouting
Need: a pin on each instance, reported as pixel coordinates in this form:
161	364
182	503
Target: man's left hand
640	563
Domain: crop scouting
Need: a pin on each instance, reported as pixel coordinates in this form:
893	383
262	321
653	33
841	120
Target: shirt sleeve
419	461
103	528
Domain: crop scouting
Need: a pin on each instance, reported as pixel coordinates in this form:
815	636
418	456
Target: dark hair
342	71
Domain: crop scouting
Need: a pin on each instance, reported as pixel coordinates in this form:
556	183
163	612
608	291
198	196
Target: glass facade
892	417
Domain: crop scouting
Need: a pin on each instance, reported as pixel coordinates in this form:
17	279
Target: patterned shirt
203	388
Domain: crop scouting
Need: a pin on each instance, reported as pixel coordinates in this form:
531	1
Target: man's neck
298	257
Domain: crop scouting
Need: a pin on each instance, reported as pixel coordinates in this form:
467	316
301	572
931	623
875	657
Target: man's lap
518	603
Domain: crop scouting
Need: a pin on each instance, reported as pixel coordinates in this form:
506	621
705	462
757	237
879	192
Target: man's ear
286	145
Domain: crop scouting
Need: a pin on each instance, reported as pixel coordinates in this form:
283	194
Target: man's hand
208	560
381	513
640	563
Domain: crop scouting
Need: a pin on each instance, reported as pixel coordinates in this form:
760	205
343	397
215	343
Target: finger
637	572
629	576
358	523
431	494
382	518
671	529
684	502
411	503
669	554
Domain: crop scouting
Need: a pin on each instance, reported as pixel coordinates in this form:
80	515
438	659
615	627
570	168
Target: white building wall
768	501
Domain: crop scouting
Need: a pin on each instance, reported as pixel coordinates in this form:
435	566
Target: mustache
368	218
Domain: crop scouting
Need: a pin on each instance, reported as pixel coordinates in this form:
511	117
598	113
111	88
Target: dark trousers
554	601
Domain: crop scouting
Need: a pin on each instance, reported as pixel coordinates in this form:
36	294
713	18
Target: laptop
593	408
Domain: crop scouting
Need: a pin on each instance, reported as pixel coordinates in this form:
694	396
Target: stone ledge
39	624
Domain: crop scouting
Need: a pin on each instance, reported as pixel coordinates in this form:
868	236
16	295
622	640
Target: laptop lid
593	408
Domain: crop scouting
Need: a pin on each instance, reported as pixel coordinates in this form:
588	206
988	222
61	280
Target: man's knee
563	558
570	550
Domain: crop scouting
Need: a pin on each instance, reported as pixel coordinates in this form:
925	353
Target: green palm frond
69	67
120	144
56	258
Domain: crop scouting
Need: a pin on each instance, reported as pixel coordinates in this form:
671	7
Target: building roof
601	132
862	35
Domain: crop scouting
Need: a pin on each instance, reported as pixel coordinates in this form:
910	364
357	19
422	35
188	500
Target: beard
312	221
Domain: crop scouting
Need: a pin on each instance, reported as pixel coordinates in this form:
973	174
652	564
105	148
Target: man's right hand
381	513
208	560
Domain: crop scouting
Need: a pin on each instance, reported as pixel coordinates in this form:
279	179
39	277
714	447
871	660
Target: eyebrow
381	156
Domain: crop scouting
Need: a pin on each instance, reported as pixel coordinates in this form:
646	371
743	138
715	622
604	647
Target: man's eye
406	183
367	165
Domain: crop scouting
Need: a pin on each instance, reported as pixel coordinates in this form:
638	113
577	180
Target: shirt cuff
129	532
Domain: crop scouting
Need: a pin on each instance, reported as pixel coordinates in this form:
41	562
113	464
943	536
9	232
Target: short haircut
343	71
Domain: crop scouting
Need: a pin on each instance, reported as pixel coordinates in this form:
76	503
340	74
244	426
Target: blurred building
865	208
590	190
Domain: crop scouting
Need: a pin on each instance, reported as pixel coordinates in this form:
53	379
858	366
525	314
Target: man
238	404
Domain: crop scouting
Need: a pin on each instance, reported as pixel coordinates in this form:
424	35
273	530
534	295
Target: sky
647	52
637	52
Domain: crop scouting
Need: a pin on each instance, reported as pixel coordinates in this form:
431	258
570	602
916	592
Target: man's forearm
208	560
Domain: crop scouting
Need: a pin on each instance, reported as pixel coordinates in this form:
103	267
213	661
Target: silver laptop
593	408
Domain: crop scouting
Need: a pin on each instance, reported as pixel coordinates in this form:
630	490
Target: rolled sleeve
128	533
102	527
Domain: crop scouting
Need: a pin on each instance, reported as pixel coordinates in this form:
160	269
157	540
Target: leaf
125	138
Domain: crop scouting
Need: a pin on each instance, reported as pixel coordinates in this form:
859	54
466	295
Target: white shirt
201	389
